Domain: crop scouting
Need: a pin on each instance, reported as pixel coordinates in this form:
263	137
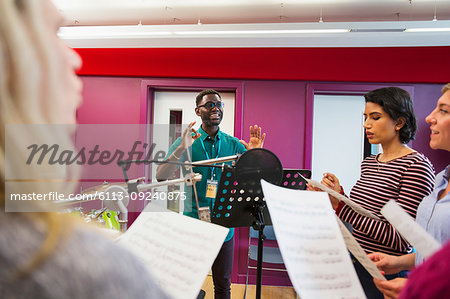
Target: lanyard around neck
207	156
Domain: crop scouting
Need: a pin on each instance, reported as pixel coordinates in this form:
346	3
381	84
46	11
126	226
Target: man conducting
209	142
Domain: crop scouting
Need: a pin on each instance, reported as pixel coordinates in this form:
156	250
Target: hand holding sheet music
356	207
177	250
311	244
425	244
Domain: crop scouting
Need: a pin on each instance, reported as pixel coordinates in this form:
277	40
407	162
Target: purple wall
110	100
279	107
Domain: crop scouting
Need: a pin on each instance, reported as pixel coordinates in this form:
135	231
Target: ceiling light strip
232	32
427	29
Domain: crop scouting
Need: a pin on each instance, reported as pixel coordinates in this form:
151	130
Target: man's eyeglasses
211	105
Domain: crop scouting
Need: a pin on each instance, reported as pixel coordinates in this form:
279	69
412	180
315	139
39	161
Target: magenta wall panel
110	100
279	108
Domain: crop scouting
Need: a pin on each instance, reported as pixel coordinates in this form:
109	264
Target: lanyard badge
211	188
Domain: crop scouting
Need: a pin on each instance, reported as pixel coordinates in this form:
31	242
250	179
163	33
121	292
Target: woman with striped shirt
399	173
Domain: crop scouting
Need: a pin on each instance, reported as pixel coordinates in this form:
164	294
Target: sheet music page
359	253
353	205
311	244
177	250
416	235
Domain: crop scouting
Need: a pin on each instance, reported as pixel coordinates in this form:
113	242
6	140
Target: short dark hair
203	93
397	103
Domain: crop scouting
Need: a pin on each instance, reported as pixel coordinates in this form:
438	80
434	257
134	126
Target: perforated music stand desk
242	204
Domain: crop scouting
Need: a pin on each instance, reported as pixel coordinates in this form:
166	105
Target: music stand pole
259	225
241	204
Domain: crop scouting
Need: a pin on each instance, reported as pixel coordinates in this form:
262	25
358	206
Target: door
339	144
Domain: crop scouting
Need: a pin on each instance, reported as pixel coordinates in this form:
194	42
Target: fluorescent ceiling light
376	30
427	29
362	34
229	32
109	31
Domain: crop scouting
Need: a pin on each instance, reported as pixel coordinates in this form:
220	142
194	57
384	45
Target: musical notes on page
354	206
311	244
416	235
357	251
177	250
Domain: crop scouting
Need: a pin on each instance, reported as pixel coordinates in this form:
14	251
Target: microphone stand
203	212
134	186
201	163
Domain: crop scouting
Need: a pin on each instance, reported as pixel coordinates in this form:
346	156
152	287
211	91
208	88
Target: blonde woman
430	280
45	254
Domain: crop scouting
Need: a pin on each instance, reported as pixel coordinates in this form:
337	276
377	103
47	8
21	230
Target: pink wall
110	100
279	108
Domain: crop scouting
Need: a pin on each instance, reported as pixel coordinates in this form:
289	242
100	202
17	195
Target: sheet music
178	250
359	253
416	235
354	206
311	244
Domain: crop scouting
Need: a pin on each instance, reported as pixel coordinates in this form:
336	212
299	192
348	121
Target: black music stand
240	202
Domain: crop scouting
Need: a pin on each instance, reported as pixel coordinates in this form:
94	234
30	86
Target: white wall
338	144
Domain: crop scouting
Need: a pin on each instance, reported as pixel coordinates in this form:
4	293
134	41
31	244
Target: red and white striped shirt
407	180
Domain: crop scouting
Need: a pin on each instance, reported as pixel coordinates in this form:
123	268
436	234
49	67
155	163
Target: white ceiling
253	23
165	12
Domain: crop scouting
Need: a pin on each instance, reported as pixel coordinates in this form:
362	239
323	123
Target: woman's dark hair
397	103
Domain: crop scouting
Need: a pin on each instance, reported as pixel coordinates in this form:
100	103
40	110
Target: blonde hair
446	88
28	94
